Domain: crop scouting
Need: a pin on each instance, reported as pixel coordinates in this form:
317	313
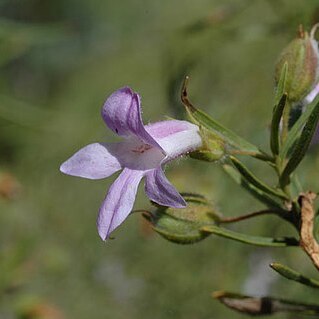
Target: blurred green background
59	60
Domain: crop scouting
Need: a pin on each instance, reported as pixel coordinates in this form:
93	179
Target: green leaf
248	239
231	138
294	275
296	187
275	124
296	129
301	146
281	86
252	179
285	114
262	306
257	193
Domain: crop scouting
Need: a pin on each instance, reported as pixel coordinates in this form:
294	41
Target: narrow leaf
296	129
257	193
301	146
281	86
231	138
296	186
251	178
275	124
262	306
248	239
294	275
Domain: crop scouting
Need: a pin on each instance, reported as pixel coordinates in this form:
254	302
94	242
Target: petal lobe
94	161
161	191
118	202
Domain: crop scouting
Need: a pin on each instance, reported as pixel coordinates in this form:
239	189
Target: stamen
142	148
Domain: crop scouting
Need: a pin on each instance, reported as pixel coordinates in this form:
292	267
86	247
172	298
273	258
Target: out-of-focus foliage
58	61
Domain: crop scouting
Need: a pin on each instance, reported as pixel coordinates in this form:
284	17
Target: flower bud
302	57
183	225
212	150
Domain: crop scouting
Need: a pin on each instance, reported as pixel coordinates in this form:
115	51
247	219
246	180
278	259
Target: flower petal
175	137
312	95
94	161
118	202
163	129
161	191
122	114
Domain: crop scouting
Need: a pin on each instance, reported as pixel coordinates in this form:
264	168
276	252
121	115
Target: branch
251	215
307	240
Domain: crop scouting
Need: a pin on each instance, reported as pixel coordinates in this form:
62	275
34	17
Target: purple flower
142	153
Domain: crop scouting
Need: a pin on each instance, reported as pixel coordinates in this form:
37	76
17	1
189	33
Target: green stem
279	164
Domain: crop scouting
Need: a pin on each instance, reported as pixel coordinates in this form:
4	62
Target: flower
142	153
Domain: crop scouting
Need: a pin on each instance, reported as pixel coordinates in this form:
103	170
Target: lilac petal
94	161
176	137
122	114
312	95
163	129
118	202
161	191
